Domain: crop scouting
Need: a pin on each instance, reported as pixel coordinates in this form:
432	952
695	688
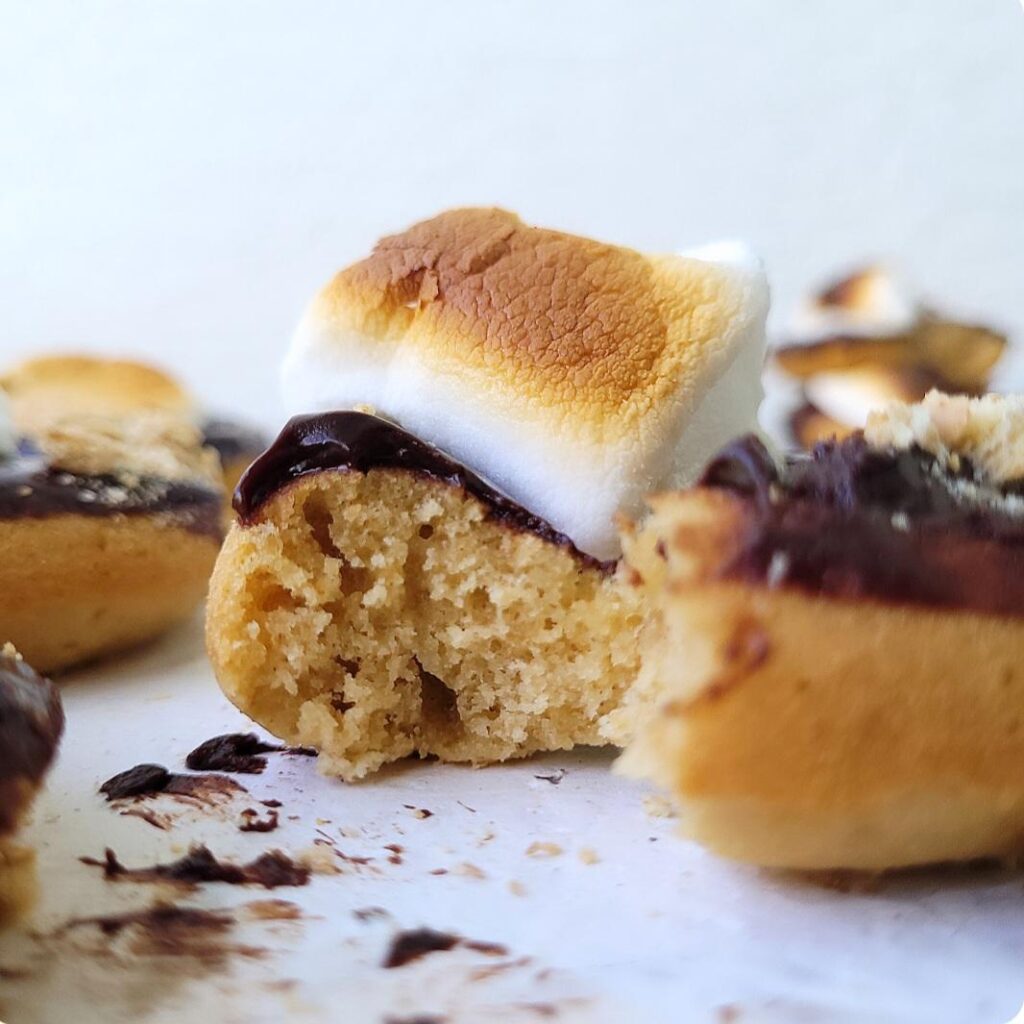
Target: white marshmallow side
578	487
8	435
881	306
845	397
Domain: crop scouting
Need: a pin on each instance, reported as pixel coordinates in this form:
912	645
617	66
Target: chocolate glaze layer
852	521
32	489
31	723
358	442
231	440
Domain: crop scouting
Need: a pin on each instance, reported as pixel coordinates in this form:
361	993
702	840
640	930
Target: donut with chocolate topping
376	599
837	644
108	531
31	723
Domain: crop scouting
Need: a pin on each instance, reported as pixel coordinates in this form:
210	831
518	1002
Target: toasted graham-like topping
497	341
988	431
55	387
145	444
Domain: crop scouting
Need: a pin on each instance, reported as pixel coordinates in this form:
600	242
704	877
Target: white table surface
656	930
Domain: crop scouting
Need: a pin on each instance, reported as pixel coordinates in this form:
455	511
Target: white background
178	177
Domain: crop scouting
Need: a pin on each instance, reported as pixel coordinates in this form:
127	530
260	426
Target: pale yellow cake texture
801	731
382	615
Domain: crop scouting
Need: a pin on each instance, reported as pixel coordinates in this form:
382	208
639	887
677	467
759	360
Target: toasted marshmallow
867	303
576	376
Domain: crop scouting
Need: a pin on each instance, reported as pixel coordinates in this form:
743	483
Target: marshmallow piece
868	303
575	376
8	435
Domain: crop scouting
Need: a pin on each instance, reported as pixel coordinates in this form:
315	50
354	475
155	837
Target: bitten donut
31	723
53	388
439	577
108	531
837	644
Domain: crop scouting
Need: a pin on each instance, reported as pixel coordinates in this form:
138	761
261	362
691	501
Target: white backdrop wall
176	177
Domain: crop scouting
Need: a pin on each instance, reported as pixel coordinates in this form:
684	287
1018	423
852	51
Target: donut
835	644
60	387
425	561
377	600
31	723
865	341
109	529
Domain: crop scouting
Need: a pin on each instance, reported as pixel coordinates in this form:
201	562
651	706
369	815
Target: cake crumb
658	806
540	849
588	855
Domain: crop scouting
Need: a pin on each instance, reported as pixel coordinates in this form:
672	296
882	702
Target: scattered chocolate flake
271	803
396	853
252	822
554	777
236	752
487	948
142	780
420	1018
271	869
411	945
301	751
160	821
370	913
418	812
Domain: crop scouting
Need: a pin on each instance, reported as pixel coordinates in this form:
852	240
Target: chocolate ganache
31	723
853	521
359	442
31	488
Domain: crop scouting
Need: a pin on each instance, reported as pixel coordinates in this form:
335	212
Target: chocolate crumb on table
411	945
233	752
252	822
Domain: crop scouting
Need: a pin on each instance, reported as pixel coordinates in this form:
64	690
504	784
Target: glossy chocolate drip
31	723
358	442
852	521
32	489
232	441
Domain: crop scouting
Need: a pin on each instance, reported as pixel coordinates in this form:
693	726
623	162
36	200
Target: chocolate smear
199	865
145	780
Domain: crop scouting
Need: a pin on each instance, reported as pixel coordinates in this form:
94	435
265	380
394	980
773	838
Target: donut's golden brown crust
803	732
600	333
18	886
75	587
380	615
66	386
